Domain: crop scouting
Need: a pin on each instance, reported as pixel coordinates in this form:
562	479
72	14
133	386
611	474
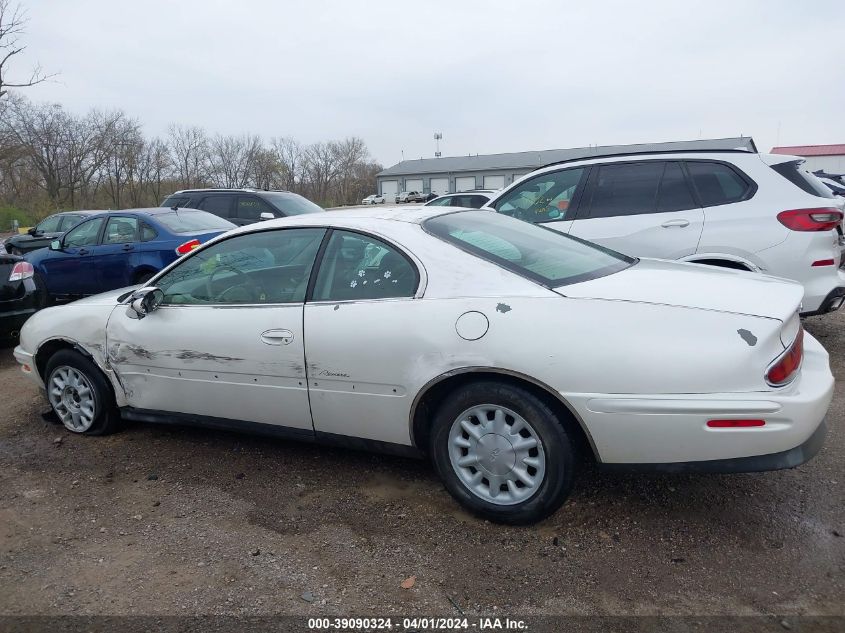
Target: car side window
717	183
70	221
85	234
121	230
625	189
251	208
148	233
49	225
675	194
476	202
254	268
360	267
544	198
441	202
218	205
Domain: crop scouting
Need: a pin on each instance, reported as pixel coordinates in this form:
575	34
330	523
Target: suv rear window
717	183
175	201
533	251
804	180
193	221
291	203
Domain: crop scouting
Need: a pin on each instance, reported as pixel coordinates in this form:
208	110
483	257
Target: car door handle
678	223
128	247
277	337
83	251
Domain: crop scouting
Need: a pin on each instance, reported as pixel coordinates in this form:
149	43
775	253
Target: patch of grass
8	214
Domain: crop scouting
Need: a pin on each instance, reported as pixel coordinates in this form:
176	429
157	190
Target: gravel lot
183	521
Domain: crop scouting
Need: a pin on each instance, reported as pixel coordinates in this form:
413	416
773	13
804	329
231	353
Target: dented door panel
214	361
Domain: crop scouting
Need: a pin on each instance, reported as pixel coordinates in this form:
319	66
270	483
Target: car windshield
291	203
541	254
183	221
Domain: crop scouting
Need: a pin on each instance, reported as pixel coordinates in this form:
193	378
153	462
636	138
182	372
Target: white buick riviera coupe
503	350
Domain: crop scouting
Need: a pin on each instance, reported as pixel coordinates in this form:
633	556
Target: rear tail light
784	368
823	262
187	247
825	219
21	271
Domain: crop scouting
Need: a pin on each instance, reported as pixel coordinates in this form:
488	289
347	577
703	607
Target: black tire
558	448
106	418
142	278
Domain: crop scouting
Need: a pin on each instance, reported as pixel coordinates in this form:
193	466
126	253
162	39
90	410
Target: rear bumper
832	302
754	464
14	312
670	432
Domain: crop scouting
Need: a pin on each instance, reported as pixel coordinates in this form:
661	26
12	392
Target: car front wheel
502	453
79	394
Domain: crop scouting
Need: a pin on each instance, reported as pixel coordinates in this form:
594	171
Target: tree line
53	159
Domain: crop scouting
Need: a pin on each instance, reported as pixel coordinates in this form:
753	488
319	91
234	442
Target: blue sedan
113	249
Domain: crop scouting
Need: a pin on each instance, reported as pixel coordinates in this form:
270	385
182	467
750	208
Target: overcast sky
491	76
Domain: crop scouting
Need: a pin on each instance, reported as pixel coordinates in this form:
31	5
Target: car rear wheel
79	394
502	453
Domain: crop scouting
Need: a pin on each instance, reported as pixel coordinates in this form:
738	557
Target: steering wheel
209	283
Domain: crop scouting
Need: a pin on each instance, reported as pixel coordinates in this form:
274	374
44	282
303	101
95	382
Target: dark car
243	206
20	295
40	235
113	249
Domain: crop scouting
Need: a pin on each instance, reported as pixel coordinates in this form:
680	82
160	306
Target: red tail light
734	424
824	219
784	368
187	247
21	271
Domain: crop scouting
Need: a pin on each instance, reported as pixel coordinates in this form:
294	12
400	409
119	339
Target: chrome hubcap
72	398
497	454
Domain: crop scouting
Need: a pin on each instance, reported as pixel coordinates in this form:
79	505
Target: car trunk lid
8	289
694	286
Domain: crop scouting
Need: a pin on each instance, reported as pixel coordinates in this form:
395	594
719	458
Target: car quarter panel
368	361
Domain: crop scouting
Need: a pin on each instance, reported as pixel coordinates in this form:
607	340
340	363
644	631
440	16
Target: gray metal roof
533	160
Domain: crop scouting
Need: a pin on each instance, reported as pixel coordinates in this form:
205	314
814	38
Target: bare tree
12	23
233	159
290	157
190	152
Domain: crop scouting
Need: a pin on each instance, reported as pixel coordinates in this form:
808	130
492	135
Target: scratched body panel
211	361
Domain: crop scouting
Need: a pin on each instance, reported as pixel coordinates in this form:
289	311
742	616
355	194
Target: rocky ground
183	521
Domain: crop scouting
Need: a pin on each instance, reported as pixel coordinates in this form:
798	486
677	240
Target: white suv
737	209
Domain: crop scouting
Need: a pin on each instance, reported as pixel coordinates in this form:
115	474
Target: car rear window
291	203
193	221
804	180
533	251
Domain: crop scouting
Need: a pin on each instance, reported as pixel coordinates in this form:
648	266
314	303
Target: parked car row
414	196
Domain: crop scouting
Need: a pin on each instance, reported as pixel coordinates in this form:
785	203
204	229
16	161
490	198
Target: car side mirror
144	301
266	215
33	231
56	245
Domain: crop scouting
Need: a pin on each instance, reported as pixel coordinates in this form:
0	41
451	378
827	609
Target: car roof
354	217
224	190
